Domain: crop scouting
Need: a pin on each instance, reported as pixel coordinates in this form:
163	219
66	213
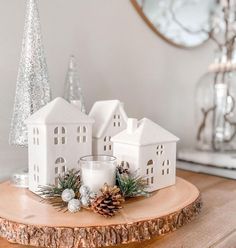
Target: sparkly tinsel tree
32	87
73	93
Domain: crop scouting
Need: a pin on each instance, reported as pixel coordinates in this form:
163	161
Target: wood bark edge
100	236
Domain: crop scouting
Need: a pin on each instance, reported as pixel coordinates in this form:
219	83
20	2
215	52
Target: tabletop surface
215	227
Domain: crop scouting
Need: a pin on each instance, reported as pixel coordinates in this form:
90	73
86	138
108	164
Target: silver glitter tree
32	87
73	92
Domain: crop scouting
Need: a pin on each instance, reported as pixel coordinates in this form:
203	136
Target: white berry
85	201
74	205
84	190
67	195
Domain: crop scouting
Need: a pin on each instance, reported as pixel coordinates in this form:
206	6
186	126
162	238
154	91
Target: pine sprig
52	193
131	185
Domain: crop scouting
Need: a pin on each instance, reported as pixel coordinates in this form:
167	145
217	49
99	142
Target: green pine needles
52	193
131	185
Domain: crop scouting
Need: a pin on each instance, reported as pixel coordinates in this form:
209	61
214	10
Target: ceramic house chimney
132	125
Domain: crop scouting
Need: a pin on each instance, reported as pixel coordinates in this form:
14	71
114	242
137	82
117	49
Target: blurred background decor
215	97
72	91
184	23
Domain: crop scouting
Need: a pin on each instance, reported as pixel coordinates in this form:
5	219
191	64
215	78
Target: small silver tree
73	92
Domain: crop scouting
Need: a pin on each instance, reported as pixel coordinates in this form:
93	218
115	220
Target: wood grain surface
215	227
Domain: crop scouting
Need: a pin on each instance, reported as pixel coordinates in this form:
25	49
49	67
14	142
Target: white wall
119	57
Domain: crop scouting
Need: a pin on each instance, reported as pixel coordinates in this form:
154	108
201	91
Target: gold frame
155	30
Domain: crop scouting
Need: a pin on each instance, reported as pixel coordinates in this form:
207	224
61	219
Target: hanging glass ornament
73	92
215	105
32	87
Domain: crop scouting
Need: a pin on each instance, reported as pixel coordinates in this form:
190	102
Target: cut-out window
124	164
152	180
36	173
166	166
60	168
81	138
35	136
117	120
160	150
56	130
59	135
150	171
163	172
107	143
150	162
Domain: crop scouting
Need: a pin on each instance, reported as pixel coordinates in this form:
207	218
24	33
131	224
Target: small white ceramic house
58	135
110	119
149	150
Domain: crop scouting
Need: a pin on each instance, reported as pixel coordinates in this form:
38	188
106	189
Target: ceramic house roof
146	133
58	111
102	112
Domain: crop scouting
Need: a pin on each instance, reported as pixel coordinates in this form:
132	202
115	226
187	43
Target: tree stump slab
24	219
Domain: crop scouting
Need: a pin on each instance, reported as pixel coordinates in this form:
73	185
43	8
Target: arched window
60	168
59	135
124	165
160	150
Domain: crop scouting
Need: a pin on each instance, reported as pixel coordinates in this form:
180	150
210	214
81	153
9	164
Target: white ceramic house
110	119
58	135
149	150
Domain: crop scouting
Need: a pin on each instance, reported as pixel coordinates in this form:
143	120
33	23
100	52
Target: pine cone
109	203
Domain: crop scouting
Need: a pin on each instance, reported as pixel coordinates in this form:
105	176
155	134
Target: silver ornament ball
84	190
85	201
67	195
92	195
74	205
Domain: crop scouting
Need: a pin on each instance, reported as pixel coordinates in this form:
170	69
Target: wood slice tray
26	220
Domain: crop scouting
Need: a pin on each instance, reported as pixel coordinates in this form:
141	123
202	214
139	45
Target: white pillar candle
95	173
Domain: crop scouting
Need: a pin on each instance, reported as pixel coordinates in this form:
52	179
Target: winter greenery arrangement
71	195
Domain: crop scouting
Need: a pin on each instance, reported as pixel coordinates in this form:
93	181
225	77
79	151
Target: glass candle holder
98	170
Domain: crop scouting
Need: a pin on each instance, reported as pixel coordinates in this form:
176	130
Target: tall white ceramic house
149	150
58	135
110	119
